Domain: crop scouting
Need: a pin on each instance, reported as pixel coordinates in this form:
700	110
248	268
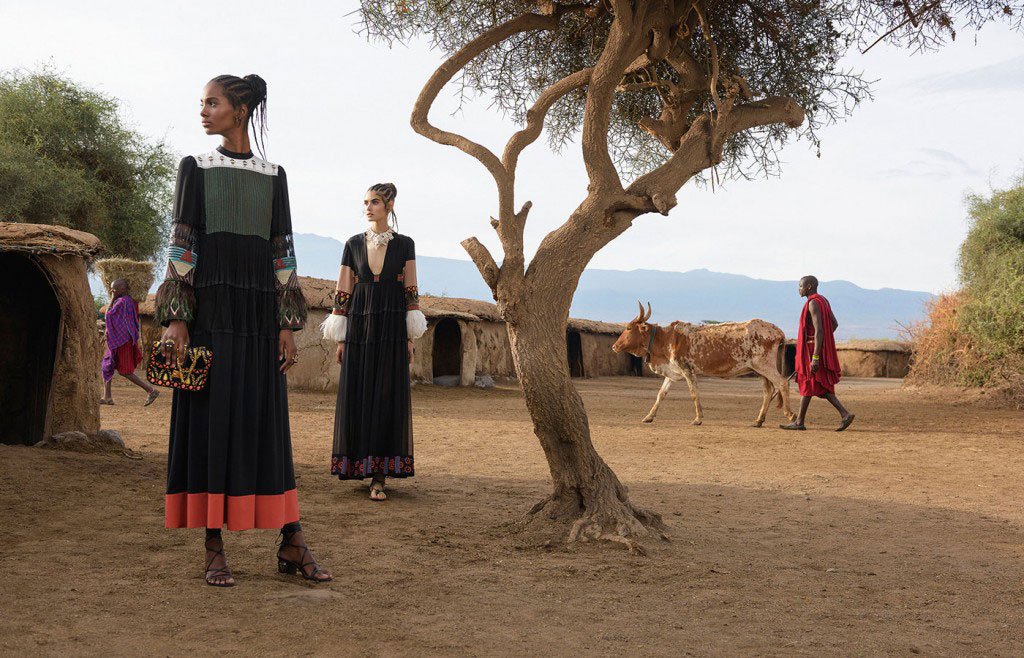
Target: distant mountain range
694	296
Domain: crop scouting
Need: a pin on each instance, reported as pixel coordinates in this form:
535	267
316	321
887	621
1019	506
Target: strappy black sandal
222	572
291	568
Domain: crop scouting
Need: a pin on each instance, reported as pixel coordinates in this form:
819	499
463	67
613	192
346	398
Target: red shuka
825	380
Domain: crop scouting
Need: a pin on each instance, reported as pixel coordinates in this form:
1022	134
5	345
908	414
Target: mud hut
860	358
49	355
874	358
465	339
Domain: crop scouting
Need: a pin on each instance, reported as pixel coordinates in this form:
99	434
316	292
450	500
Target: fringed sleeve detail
175	300
291	303
334	327
291	309
415	323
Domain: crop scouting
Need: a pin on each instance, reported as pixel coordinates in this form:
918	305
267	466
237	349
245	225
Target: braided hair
250	91
388	192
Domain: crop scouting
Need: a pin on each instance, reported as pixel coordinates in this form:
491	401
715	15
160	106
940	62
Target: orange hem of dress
209	510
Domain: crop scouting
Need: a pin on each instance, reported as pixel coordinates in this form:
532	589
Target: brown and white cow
682	351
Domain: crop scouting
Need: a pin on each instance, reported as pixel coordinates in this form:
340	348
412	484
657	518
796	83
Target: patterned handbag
188	376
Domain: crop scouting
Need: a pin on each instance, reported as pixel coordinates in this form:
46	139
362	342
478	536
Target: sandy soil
901	536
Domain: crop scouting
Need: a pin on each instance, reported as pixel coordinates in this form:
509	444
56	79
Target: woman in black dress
231	286
375	319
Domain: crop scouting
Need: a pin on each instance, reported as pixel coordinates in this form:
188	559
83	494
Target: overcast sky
882	207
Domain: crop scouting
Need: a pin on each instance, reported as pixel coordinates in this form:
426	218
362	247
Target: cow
683	350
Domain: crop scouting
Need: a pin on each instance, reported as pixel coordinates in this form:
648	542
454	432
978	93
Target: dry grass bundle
138	273
945	354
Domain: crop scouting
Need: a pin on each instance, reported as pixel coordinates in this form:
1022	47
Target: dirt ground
902	536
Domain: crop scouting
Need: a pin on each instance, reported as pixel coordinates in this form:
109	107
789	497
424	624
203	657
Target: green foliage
98	302
68	158
789	48
992	273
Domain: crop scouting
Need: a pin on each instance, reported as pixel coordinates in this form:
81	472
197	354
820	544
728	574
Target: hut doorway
29	333
574	347
788	364
447	349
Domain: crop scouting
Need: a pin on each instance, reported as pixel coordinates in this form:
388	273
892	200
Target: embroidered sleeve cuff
412	298
175	300
341	300
415	323
291	309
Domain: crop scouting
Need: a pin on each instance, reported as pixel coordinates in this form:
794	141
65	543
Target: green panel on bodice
238	201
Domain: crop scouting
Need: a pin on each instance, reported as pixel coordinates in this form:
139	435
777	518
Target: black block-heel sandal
220	572
292	568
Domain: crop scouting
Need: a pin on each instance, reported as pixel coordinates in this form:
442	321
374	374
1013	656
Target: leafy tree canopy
783	48
68	158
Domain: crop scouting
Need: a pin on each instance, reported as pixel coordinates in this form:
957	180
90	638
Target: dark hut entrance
788	364
574	347
636	366
29	332
447	350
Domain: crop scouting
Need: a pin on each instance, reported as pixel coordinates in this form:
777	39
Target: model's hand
286	352
174	341
410	350
814	366
341	351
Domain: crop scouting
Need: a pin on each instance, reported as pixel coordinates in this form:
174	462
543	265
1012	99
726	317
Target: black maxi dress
231	276
373	417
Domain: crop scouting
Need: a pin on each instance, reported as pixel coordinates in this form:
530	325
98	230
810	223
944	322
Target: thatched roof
596	327
319	294
875	346
47	239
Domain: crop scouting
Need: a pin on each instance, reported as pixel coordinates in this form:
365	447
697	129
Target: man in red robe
817	361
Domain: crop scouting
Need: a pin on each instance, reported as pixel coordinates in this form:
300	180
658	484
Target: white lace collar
380	239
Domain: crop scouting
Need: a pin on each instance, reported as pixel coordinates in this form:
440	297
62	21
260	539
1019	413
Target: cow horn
648	316
640	318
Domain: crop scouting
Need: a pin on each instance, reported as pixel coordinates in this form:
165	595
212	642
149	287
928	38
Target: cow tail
785	381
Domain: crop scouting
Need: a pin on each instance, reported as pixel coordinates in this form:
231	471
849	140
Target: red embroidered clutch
188	376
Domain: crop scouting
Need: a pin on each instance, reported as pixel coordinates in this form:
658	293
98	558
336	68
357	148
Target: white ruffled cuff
415	323
334	327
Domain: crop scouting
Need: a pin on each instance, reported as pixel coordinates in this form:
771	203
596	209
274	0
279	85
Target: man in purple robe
123	353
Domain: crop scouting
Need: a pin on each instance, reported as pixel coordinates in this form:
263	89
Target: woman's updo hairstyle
388	192
250	91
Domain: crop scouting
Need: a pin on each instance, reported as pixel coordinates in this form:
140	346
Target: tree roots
614	521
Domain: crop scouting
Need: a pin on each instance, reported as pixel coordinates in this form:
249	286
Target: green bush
68	158
992	273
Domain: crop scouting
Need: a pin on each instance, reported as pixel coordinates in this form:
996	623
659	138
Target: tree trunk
587	494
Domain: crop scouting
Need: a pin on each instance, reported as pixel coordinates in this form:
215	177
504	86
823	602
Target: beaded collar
380	239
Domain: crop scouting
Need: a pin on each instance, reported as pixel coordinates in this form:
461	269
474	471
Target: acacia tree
660	92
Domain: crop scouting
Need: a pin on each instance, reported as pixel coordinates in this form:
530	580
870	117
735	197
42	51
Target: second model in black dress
378	314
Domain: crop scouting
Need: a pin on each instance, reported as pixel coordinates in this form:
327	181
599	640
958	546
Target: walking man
817	362
123	353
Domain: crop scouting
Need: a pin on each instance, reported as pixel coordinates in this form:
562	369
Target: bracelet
815	358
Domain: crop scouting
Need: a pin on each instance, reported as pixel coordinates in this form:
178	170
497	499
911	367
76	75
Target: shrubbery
67	158
975	337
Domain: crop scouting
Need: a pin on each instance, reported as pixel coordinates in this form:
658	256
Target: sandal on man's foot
106	401
846	423
152	396
221	576
316	573
377	491
792	426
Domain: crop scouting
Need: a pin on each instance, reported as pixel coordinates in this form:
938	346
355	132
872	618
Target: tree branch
420	121
701	146
479	254
621	49
536	114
